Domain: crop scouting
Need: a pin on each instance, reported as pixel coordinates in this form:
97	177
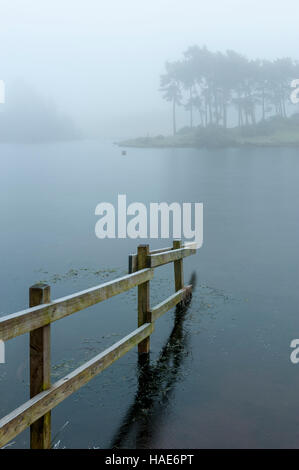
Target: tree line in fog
209	85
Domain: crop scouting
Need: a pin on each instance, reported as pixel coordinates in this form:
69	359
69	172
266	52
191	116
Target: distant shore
271	133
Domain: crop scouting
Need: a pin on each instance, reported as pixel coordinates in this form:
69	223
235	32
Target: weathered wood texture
170	302
27	320
160	250
17	421
190	245
133	259
133	265
178	268
169	256
42	312
40	368
143	298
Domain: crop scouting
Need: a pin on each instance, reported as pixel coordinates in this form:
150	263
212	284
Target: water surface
219	373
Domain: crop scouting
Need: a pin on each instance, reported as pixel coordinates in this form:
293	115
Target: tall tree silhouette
171	87
215	82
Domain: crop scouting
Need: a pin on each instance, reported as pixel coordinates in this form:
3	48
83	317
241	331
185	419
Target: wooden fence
37	320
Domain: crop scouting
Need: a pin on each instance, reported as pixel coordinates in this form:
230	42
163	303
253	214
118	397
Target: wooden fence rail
37	320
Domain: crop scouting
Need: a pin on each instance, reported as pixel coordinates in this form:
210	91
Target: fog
100	62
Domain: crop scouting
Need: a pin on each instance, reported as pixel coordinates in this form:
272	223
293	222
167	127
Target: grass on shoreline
274	132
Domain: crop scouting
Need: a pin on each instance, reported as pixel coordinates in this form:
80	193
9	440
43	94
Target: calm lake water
225	379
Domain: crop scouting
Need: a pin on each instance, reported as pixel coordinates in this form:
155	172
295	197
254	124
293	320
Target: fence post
178	268
40	368
143	297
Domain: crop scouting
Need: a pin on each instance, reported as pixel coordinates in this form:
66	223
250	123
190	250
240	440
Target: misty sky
100	61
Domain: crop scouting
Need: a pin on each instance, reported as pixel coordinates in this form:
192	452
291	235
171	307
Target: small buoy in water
124	152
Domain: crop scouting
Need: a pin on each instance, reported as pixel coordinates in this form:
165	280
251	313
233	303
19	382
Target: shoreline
283	133
132	144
